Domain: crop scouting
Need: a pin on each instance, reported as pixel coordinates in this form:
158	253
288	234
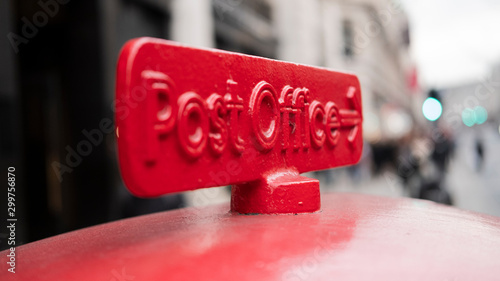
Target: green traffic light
481	114
432	109
478	115
468	117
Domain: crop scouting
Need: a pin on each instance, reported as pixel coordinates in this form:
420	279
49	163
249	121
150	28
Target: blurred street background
429	72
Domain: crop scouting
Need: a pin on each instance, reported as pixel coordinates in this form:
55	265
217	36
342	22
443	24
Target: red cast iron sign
191	118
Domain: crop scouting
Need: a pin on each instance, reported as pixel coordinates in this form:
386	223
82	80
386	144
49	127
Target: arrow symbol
351	118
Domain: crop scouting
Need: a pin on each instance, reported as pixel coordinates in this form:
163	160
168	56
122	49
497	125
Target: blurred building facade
60	81
367	37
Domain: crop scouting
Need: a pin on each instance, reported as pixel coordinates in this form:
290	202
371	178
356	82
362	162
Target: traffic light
432	108
478	115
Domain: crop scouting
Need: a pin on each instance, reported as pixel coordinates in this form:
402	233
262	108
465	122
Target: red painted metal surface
191	118
353	237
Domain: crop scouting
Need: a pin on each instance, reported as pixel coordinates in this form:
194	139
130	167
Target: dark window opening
348	38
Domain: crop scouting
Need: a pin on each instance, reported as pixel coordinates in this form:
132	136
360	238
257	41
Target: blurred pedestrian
480	154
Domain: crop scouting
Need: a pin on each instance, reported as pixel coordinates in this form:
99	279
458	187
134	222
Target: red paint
282	192
191	118
353	237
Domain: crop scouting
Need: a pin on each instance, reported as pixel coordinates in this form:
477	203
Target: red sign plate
189	118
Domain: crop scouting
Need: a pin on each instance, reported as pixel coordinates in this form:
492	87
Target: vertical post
298	30
192	22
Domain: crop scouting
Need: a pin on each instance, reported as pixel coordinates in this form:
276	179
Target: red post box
193	118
